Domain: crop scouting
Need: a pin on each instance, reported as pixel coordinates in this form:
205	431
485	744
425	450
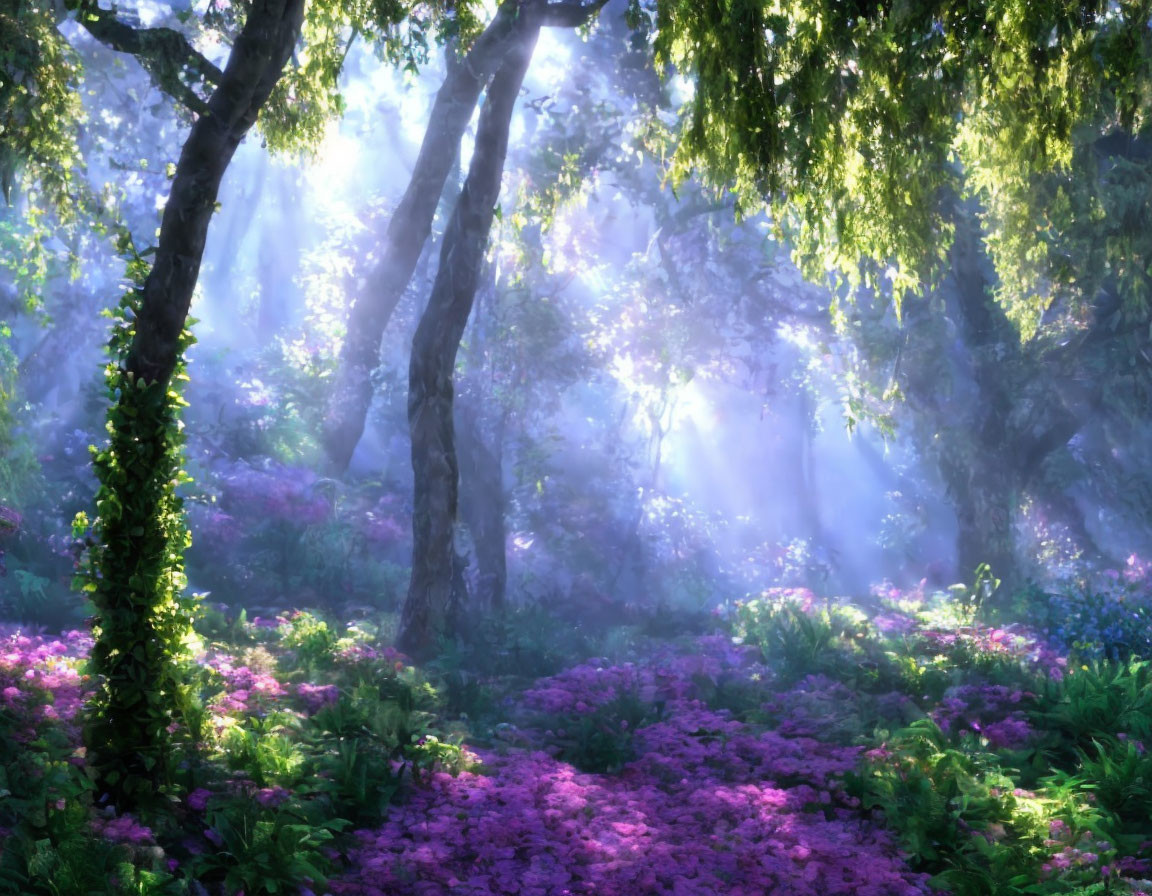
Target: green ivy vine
134	573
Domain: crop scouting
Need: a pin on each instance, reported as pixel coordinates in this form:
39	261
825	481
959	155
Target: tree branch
570	14
174	64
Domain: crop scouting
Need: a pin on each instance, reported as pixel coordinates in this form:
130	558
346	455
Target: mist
568	484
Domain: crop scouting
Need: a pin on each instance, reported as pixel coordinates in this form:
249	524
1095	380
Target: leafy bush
799	638
360	745
600	740
79	861
948	784
1108	619
310	639
261	847
53	844
957	812
1098	702
1120	774
264	750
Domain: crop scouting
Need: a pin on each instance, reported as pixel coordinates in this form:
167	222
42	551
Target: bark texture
408	231
137	565
482	504
254	66
431	604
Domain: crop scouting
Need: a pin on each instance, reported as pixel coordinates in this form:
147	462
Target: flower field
798	748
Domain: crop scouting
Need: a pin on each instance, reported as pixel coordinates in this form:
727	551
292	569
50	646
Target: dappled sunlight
702	766
519	448
696	810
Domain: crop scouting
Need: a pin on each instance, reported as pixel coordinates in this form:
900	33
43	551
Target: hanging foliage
857	123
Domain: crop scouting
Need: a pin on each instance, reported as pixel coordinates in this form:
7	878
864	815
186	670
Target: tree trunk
407	232
482	504
142	616
254	66
986	504
981	471
997	457
430	606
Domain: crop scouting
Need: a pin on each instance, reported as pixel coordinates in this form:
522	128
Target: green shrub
959	814
265	750
600	740
311	641
264	849
1095	703
798	638
360	747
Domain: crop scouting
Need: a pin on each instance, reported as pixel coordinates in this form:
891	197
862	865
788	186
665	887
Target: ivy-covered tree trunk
136	568
407	233
429	609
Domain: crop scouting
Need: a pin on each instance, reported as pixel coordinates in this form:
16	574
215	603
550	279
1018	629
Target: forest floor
800	748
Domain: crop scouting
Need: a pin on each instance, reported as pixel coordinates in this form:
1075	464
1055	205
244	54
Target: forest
554	447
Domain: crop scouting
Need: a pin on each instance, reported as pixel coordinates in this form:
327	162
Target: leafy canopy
860	122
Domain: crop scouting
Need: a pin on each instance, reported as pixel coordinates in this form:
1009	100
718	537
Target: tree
998	414
849	120
428	609
409	227
860	127
430	606
143	617
135	566
408	231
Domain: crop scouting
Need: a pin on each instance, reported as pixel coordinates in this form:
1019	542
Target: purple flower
271	796
198	799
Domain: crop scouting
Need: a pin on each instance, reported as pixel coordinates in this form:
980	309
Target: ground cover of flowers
801	749
708	805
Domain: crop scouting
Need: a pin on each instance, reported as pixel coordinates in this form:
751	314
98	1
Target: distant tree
411	223
1008	421
865	128
408	230
433	592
